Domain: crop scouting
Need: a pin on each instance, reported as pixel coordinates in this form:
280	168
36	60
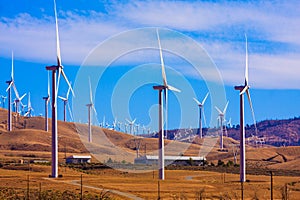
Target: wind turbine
11	83
55	85
244	89
47	98
131	124
90	105
65	100
165	87
222	119
3	101
200	105
8	90
29	108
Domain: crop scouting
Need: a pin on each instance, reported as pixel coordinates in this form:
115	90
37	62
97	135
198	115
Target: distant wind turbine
131	125
222	119
90	105
3	100
201	110
244	89
29	108
55	85
47	98
165	87
65	100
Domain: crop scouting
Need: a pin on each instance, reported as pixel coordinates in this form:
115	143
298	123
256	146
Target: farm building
176	160
75	159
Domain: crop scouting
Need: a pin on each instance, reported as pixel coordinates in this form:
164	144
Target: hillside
275	132
28	138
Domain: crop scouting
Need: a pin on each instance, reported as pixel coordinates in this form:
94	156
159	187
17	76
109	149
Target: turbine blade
197	101
128	121
246	71
94	109
91	95
70	112
22	97
173	88
12	65
9	86
252	110
62	98
29	103
204	118
162	61
224	111
219	111
66	79
48	85
57	38
16	91
67	97
133	121
58	79
205	98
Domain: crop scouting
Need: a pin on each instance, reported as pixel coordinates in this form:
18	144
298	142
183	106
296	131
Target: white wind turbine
11	83
90	105
55	85
131	124
201	110
165	87
3	100
29	108
244	89
65	100
222	119
47	98
18	99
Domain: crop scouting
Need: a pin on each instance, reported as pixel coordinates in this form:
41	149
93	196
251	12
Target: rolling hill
28	138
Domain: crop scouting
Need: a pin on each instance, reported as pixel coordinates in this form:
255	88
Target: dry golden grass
178	183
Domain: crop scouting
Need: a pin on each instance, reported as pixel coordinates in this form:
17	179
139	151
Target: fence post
271	173
81	195
28	193
158	190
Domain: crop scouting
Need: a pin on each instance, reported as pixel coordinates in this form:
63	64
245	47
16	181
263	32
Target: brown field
28	142
179	184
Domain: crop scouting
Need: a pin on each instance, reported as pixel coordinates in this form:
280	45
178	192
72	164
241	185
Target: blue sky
27	27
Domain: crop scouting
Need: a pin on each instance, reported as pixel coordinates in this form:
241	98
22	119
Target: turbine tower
222	119
161	133
47	98
90	105
57	70
10	83
201	109
244	89
65	100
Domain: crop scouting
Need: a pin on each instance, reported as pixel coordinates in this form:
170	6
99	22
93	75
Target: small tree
190	161
220	163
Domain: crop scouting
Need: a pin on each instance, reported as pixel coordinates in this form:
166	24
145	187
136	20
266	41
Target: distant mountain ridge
285	132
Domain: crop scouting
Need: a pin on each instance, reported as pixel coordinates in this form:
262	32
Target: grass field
179	184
